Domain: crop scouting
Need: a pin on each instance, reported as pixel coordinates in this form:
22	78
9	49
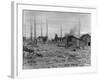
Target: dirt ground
52	56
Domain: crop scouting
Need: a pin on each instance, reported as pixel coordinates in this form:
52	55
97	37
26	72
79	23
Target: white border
17	53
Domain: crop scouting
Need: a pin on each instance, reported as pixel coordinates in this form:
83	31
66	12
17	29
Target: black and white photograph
54	39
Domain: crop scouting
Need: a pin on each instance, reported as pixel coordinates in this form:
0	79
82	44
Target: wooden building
87	39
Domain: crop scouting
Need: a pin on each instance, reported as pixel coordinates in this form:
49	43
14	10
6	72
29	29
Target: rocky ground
52	56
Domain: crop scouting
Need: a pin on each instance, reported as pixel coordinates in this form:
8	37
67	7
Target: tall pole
31	29
79	27
25	30
46	27
79	31
61	31
34	27
41	31
41	27
24	26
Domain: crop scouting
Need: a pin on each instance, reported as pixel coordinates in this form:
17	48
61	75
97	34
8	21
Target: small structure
72	41
42	38
87	39
82	42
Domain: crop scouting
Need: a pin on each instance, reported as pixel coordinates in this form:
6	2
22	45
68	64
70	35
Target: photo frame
17	21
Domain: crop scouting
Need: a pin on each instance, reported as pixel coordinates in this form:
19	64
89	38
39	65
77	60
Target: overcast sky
55	21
